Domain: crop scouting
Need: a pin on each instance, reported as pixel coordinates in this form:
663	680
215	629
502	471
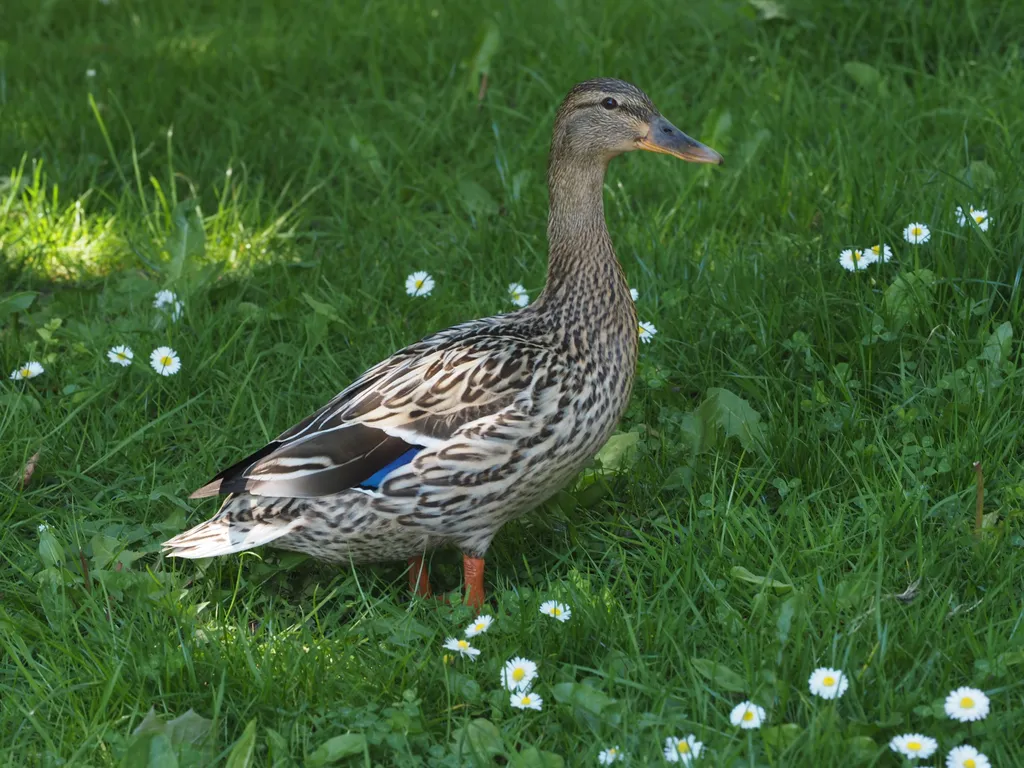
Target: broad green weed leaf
741	573
909	295
478	201
719	675
480	738
619	453
16	302
979	175
590	699
724	410
333	750
322	307
531	757
487	47
867	77
997	345
242	752
186	240
778	737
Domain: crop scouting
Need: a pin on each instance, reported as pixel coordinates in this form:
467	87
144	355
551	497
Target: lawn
800	487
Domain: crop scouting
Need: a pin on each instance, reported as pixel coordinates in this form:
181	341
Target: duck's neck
581	256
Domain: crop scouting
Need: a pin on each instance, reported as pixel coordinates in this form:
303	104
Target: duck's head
602	118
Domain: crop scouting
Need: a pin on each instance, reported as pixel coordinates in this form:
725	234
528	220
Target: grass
332	151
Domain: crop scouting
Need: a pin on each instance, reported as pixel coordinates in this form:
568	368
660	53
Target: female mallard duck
450	438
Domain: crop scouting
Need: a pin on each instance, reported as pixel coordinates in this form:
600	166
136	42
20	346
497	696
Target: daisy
518	674
967	705
176	310
647	331
165	361
853	259
556	610
478	627
518	295
966	756
526	700
610	755
881	252
914	745
90	72
917	234
682	751
163	298
980	217
120	355
419	284
747	715
29	370
828	683
462	647
634	294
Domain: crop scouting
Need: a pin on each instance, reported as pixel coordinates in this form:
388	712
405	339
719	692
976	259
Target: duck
450	438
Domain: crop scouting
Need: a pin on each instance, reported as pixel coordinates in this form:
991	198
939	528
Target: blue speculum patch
374	480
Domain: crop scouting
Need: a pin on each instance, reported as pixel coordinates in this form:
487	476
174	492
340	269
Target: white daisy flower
747	715
526	700
556	610
682	751
518	295
881	252
980	218
176	310
634	294
853	259
120	355
647	331
967	705
462	647
90	72
163	298
518	674
914	745
966	756
478	627
165	361
917	234
610	755
29	370
419	284
828	683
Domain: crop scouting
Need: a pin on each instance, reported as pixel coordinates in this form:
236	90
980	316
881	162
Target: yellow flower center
25	373
613	752
527	700
915	231
556	611
969	763
856	256
748	715
166	361
876	249
979	217
914	746
479	627
419	284
683	748
519	674
829	681
463	644
966	702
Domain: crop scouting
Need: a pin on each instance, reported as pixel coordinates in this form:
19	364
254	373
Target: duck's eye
609	103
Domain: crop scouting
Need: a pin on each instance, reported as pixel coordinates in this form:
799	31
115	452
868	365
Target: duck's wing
415	399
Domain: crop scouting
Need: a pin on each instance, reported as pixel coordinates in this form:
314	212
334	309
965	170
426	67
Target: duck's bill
666	138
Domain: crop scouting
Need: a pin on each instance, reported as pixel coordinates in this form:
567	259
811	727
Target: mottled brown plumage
451	437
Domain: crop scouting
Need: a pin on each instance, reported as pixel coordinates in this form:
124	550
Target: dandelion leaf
531	757
477	200
741	573
479	739
150	750
979	175
867	77
16	302
730	413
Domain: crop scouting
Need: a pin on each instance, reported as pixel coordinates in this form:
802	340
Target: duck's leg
419	581
473	578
